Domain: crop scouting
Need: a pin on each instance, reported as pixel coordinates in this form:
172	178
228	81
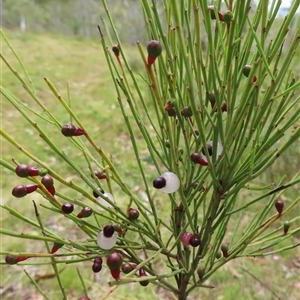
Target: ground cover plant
213	109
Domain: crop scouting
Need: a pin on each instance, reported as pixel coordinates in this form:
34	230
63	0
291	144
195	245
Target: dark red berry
195	241
22	170
142	273
96	195
127	268
85	212
71	130
221	17
114	261
286	227
115	273
11	259
159	182
154	50
67	208
84	298
47	181
96	267
133	214
195	157
200	272
108	231
98	260
20	191
33	171
279	204
254	79
116	50
51	190
100	175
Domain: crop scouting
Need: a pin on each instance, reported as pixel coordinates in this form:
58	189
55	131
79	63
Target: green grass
81	64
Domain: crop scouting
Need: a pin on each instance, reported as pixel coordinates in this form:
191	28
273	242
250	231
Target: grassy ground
81	64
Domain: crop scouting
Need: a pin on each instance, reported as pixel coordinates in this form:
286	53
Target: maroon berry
101	191
51	190
159	182
33	171
115	273
221	17
154	50
67	208
133	214
96	267
71	130
254	79
114	261
100	175
11	259
224	107
286	227
85	212
195	157
116	50
142	273
98	260
127	268
84	298
22	170
47	181
20	191
279	204
194	241
108	231
56	246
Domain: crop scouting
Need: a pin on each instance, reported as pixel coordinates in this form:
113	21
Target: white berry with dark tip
168	182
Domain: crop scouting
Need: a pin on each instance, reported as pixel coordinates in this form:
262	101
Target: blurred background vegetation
58	39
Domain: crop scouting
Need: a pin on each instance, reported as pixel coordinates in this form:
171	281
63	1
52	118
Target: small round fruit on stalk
168	182
107	237
47	181
98	260
20	191
116	50
100	175
70	130
85	212
246	70
154	49
142	273
286	227
96	267
194	241
186	112
279	205
228	16
170	109
185	238
67	208
114	262
127	267
101	199
84	298
133	214
22	170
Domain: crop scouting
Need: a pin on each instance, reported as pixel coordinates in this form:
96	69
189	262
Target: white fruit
106	243
172	182
102	201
